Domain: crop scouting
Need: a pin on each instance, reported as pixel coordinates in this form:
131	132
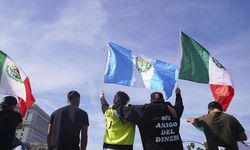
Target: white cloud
80	22
42	51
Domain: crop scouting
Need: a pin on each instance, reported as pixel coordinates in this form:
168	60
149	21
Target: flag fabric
13	81
125	68
199	66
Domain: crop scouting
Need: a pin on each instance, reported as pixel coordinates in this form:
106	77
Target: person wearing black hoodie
10	120
158	122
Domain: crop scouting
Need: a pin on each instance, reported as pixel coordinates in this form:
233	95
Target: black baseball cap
215	104
9	101
156	97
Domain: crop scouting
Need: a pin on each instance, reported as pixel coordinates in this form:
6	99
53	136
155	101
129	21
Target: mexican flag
198	65
13	81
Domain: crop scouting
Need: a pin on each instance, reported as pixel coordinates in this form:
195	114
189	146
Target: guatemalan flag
125	68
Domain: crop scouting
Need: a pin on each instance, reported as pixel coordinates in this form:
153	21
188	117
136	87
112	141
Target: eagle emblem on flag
13	73
142	65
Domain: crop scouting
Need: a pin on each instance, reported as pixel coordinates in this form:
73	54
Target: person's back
9	121
119	134
65	126
67	123
221	129
158	125
159	129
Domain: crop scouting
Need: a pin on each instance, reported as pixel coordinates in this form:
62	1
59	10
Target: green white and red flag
13	81
198	65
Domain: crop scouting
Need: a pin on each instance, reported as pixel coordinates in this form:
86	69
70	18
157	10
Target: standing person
65	126
158	122
9	121
220	129
119	134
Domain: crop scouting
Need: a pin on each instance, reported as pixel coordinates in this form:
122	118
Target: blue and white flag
125	68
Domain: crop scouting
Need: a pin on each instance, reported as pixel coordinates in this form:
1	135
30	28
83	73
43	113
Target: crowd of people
158	122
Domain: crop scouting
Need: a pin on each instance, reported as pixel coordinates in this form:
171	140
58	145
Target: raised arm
179	107
104	103
196	123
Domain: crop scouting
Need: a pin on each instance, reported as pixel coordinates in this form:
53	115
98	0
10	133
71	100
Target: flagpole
104	70
179	51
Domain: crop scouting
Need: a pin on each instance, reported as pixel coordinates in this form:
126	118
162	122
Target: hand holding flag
177	90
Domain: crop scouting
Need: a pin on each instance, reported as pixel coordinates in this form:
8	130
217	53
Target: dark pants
65	148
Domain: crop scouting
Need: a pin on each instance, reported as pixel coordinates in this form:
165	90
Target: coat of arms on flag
13	81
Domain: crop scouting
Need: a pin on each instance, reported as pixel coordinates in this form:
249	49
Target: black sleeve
198	123
179	107
19	118
104	104
239	128
134	113
85	119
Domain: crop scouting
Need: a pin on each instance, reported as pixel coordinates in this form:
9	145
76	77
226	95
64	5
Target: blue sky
61	45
